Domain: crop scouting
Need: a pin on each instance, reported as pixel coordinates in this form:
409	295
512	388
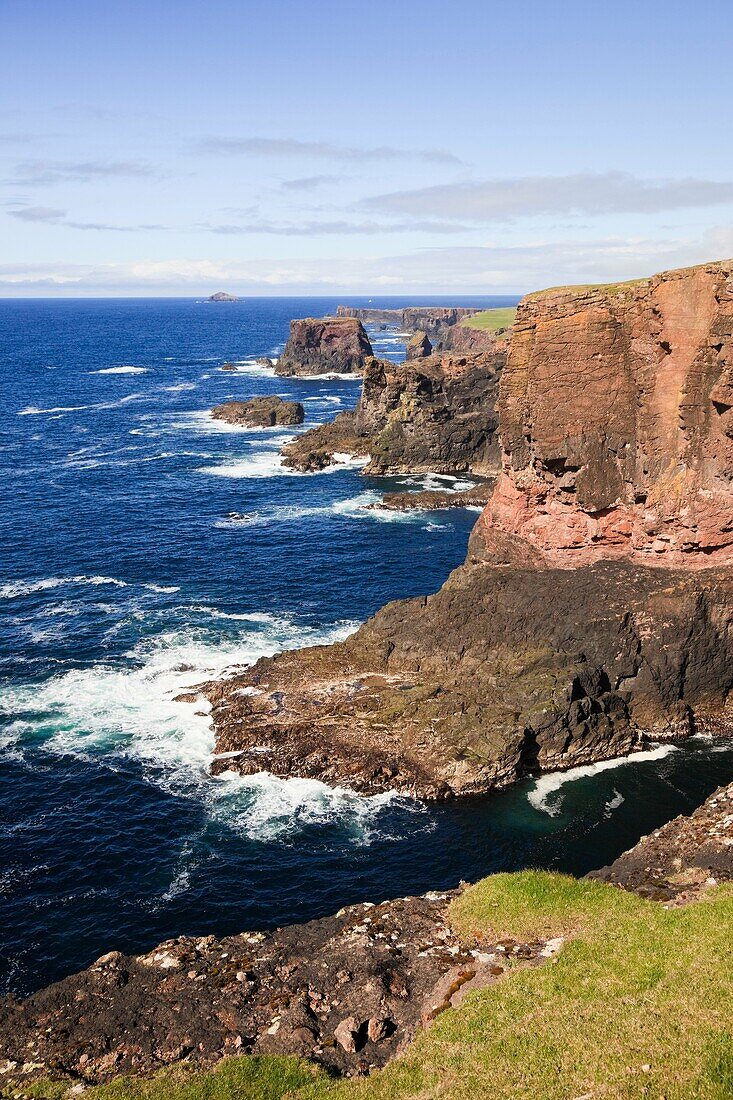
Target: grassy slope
639	1003
489	320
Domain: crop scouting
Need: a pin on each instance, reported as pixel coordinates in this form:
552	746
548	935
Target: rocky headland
260	412
594	611
428	414
324	345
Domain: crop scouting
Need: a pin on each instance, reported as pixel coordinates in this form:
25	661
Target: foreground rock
595	610
324	345
348	991
260	412
434	414
682	859
419	347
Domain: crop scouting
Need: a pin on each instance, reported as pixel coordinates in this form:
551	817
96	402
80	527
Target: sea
145	547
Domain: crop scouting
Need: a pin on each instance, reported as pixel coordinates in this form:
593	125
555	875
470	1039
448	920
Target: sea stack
325	345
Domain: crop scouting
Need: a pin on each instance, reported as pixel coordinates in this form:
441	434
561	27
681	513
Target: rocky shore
429	319
594	611
348	992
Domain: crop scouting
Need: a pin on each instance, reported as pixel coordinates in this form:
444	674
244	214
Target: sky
308	146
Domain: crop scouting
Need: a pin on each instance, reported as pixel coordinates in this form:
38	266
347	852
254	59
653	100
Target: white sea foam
543	795
269	463
130	710
253	368
613	804
122	370
13	589
33	410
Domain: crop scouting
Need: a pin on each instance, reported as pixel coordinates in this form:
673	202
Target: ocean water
143	548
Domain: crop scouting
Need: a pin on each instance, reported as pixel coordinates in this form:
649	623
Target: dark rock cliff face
576	631
429	319
325	345
426	414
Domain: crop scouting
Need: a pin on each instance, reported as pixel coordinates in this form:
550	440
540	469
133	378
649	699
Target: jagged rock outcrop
429	319
431	414
321	446
419	347
617	422
683	858
466	340
260	412
325	345
576	631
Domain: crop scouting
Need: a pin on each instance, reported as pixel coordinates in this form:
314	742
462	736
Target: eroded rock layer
426	414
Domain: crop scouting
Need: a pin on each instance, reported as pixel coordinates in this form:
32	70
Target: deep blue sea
144	547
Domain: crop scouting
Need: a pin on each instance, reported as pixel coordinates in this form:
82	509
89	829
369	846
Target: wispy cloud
33	172
52	215
500	200
323	150
330	228
308	183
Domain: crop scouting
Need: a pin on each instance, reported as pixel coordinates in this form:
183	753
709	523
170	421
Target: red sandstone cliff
616	422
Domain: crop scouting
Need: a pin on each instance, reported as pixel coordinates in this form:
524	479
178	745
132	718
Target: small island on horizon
222	296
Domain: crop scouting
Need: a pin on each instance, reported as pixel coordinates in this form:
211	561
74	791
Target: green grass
490	320
638	1004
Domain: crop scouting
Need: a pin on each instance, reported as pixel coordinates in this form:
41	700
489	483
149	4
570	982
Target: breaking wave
544	795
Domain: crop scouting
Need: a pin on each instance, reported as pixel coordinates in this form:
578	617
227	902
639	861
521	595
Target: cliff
616	422
577	630
428	319
434	413
325	345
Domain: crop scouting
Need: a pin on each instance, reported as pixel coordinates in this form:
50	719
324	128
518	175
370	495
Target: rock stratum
594	611
324	345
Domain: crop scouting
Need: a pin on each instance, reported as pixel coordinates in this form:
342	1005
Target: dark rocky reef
435	499
429	319
577	630
260	412
325	345
683	858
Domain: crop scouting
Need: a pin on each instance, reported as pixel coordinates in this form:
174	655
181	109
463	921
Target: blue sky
320	147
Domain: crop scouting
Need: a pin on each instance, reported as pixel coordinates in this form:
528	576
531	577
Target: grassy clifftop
638	1003
491	320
